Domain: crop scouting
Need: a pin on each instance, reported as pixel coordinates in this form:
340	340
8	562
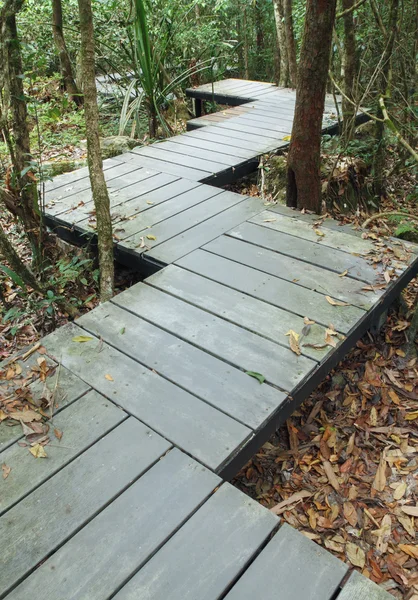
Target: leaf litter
344	468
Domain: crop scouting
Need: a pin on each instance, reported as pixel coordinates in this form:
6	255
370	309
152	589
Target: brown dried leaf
109	377
329	472
38	451
400	491
379	482
409	549
355	555
297	497
410	510
6	470
350	513
294	341
26	416
336	302
408	524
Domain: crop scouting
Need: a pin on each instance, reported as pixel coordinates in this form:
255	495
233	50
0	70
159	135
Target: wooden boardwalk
156	404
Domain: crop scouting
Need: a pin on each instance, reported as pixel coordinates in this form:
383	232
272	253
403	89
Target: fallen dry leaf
399	491
38	451
109	377
409	549
332	478
336	302
25	416
279	508
410	510
355	555
379	482
6	470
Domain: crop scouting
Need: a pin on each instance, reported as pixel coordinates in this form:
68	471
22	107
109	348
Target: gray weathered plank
66	388
214	156
167	167
231	343
211	134
236	125
81	424
101	473
278	292
304	274
142	198
202	559
169	212
361	588
258	141
99	559
332	239
72	176
191	424
207	377
161	152
307	251
200	143
234	306
205	231
217	202
291	567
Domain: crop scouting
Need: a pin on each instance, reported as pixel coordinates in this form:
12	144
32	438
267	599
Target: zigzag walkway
152	391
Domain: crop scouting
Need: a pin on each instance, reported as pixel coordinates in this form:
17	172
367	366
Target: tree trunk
259	38
65	62
8	253
290	42
349	71
98	183
245	46
281	38
303	175
384	89
22	186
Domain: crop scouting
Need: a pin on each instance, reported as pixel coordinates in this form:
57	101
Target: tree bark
259	38
303	175
98	183
281	38
10	255
64	58
290	42
384	84
349	70
22	185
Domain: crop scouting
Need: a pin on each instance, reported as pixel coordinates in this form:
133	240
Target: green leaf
13	276
256	375
82	338
122	331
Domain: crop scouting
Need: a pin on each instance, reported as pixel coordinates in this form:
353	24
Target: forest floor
344	468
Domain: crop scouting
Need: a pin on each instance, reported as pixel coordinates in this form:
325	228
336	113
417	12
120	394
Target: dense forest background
147	52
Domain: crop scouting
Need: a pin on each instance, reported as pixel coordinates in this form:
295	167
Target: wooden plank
130	530
291	567
101	472
307	251
360	588
123	201
235	125
190	143
229	342
156	151
258	142
202	559
207	377
81	204
66	388
211	134
81	424
164	211
204	232
255	315
183	221
72	176
214	156
63	195
147	200
166	167
278	292
275	129
191	424
304	274
332	239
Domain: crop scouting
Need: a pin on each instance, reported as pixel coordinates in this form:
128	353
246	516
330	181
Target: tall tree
290	41
282	42
349	69
98	183
20	194
64	58
303	174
